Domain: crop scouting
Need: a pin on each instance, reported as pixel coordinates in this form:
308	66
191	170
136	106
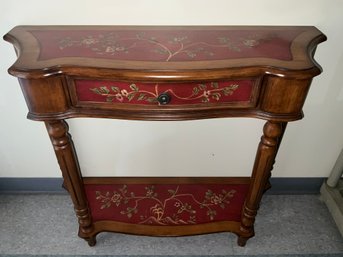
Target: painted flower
112	49
150	193
116	198
89	41
177	204
109	49
124	92
211	214
120	48
179	39
207	93
191	54
119	97
215	199
250	42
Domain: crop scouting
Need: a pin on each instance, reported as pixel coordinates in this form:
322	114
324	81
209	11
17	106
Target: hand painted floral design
111	44
204	92
182	204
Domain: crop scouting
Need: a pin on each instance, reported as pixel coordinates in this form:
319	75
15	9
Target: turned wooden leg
66	156
241	241
64	186
283	128
91	241
264	161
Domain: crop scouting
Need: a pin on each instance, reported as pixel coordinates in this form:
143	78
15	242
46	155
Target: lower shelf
167	202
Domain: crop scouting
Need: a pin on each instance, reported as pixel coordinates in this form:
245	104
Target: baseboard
296	186
31	185
54	185
239	255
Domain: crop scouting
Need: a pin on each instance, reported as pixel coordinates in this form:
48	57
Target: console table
165	73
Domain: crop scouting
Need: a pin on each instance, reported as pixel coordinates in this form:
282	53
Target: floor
286	224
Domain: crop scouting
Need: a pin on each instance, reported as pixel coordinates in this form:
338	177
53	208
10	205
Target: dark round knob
164	98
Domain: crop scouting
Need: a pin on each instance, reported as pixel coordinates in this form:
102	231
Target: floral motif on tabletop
169	49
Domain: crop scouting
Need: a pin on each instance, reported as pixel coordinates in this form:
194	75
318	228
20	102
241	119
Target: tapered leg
67	159
283	128
264	161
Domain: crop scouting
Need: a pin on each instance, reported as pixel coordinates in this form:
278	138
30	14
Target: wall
204	148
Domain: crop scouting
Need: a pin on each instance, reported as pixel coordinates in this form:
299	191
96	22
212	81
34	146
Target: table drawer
241	93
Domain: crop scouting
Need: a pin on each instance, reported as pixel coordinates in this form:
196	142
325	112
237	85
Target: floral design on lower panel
175	208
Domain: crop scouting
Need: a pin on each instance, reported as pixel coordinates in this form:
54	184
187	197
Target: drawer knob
164	98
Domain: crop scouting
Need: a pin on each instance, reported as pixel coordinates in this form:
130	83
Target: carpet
263	255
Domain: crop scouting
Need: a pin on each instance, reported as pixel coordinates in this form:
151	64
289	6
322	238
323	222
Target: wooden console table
165	73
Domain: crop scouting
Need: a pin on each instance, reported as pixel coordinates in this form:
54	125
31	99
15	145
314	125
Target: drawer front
241	93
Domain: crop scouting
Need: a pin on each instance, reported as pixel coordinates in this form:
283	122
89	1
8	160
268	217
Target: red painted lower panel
166	204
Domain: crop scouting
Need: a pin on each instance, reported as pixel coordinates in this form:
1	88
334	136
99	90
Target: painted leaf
195	90
95	90
202	86
141	97
172	192
109	99
191	54
134	87
205	100
104	90
216	96
151	99
130	96
115	89
214	85
160	51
